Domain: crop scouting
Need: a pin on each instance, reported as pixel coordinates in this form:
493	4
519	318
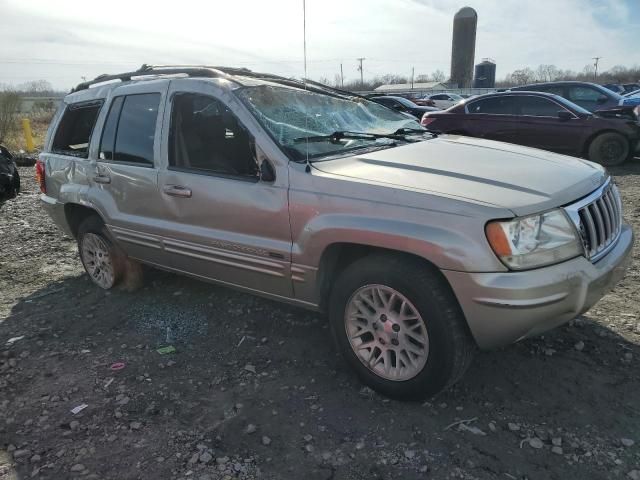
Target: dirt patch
256	390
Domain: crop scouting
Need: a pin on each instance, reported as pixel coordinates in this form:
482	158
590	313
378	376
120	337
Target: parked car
445	100
424	102
590	96
633	94
630	87
540	120
420	248
402	104
9	176
615	88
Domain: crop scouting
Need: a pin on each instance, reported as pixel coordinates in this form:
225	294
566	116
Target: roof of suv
561	83
238	76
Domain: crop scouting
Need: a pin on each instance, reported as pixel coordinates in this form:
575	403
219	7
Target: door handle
177	191
102	178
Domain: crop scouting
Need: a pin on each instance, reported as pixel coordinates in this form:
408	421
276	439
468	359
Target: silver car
421	248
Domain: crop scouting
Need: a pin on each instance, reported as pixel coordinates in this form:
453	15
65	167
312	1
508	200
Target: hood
521	179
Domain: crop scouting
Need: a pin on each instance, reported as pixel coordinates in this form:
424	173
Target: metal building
463	47
485	74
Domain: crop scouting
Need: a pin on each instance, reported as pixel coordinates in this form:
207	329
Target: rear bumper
502	308
55	210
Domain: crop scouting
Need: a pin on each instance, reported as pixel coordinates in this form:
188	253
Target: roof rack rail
150	70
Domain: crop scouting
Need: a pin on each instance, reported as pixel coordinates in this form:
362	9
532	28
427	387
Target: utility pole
595	64
412	74
341	77
361	71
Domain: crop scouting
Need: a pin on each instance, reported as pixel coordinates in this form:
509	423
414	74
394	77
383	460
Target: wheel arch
337	256
76	213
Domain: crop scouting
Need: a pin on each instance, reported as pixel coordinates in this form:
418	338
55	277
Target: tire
104	262
447	347
609	149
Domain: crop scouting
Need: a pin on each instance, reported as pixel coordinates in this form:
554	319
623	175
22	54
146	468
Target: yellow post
28	137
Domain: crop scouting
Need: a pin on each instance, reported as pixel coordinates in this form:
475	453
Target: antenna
304	44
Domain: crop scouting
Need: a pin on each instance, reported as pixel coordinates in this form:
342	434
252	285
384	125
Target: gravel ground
256	390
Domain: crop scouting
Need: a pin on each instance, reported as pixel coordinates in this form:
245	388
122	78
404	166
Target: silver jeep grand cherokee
420	247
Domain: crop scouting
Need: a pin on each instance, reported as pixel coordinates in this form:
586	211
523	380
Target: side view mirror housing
564	115
267	173
602	99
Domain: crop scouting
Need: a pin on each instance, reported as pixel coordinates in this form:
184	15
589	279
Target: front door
226	221
541	126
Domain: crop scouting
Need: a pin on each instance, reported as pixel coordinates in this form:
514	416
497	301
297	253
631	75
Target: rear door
492	118
224	220
540	126
124	176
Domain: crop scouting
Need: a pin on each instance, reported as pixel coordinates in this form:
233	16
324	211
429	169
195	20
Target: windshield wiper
408	131
341	135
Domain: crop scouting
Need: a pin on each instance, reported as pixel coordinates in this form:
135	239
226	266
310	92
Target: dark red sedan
540	120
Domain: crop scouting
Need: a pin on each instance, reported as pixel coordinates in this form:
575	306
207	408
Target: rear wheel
609	149
399	326
102	260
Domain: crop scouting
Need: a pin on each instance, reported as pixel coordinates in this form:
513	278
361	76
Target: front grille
599	219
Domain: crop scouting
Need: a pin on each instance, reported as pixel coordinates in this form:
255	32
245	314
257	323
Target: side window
206	137
137	128
439	97
494	106
555	90
129	131
537	107
584	94
74	131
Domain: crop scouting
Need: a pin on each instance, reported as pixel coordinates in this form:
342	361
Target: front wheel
609	149
399	326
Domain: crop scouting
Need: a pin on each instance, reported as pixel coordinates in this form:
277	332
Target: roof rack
156	70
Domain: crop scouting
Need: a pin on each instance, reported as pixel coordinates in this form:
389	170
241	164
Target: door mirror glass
564	115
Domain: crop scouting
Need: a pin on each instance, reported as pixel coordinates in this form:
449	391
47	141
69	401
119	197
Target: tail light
426	120
40	177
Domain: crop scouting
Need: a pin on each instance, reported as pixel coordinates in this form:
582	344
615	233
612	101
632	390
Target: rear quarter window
75	129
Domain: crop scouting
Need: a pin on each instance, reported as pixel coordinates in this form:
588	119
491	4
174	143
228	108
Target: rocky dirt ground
256	390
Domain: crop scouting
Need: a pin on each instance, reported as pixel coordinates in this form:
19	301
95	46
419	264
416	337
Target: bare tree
9	107
547	73
522	76
438	76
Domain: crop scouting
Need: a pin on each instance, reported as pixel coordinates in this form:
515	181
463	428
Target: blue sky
64	41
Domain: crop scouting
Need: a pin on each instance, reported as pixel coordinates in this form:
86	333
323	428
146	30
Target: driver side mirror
267	173
602	99
564	115
400	108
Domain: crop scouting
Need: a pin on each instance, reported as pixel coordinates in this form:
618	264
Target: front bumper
502	308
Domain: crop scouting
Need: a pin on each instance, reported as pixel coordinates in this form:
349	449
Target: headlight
534	241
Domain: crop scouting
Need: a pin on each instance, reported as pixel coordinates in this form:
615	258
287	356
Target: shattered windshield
293	115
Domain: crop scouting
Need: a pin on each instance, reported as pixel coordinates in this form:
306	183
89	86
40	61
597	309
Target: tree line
543	73
550	73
